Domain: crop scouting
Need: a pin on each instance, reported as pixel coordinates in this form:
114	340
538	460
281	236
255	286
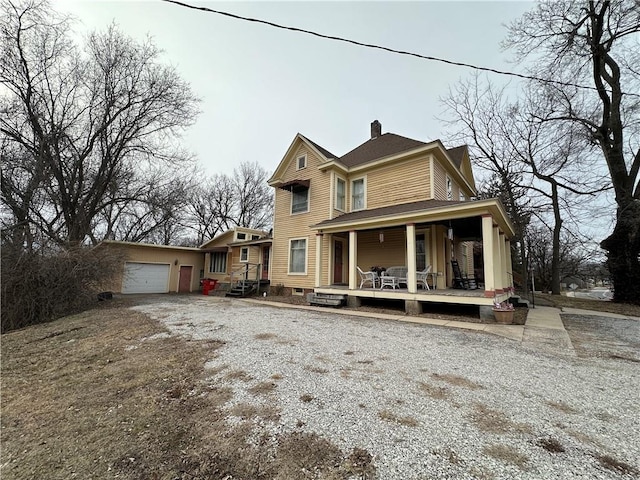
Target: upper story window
301	162
255	237
463	197
358	194
449	188
341	191
299	199
241	236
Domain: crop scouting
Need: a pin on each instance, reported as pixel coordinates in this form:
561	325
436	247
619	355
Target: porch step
244	288
517	301
326	299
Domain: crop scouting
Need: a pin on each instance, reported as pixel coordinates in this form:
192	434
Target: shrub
43	285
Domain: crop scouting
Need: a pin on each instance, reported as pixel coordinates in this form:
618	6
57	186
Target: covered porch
415	236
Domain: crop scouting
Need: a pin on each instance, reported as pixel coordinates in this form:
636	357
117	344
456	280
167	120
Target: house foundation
413	307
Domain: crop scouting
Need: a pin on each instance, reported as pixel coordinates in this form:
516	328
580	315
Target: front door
265	262
337	262
185	279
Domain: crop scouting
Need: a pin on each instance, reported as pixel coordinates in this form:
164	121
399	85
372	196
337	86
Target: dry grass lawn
108	394
560	301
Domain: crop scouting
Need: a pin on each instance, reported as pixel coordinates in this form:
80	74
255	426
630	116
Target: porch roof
424	211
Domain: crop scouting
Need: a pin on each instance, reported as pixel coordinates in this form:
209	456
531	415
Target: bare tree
80	124
224	202
594	43
509	139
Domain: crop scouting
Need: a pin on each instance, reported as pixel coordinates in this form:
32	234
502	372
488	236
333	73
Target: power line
386	49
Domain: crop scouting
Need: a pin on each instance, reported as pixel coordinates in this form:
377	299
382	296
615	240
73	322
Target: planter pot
504	317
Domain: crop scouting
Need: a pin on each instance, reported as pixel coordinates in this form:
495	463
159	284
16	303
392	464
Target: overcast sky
260	86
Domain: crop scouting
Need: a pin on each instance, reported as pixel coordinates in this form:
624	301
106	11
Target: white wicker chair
368	277
423	275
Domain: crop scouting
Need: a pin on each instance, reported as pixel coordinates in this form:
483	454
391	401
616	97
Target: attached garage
141	277
148	268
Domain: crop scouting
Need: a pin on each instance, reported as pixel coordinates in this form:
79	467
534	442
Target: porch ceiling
464	217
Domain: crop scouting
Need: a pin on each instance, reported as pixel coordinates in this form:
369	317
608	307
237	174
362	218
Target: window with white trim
298	255
358	194
341	192
422	251
241	236
301	162
255	237
463	197
244	254
218	263
449	188
299	199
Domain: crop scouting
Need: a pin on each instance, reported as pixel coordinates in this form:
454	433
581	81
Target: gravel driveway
425	401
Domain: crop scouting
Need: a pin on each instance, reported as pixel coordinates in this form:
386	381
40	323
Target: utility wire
386	49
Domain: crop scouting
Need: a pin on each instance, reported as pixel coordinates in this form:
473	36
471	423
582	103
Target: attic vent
376	129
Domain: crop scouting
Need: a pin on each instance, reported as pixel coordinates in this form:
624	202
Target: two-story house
392	201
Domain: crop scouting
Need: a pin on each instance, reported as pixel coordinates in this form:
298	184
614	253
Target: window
463	198
422	256
298	255
255	237
299	199
218	262
449	189
302	162
340	193
241	236
357	194
244	254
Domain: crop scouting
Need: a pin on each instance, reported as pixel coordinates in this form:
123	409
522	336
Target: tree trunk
623	250
557	228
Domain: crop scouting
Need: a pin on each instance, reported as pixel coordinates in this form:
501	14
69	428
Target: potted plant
503	312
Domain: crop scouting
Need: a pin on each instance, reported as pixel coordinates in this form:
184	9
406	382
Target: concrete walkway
544	328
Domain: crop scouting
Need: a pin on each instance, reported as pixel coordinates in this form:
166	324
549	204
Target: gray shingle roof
379	147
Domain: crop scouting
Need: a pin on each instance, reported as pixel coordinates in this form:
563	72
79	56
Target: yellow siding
403	182
390	253
439	181
287	226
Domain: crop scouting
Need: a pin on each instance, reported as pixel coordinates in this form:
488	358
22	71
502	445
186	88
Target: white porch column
497	262
412	278
487	256
434	256
353	259
503	263
507	246
330	260
318	280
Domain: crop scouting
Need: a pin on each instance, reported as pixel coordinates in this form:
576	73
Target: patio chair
368	277
423	275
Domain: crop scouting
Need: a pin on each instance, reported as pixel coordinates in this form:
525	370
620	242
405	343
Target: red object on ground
208	284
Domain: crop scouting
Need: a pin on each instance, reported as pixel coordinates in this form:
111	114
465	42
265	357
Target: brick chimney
376	129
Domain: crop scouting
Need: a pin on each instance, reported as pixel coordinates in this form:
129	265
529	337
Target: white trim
448	186
306	252
364	200
432	178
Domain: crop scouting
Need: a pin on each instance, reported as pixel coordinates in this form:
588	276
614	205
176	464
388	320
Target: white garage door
145	278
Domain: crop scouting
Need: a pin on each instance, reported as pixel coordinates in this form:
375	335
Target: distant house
391	201
240	252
